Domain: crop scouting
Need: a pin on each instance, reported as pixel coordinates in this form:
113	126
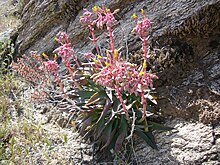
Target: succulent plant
115	97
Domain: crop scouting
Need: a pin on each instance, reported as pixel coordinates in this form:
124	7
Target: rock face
185	44
190	143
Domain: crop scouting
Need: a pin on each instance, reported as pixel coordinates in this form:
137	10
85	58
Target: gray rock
189	143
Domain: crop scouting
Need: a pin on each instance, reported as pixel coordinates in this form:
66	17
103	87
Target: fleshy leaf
147	137
85	124
105	109
106	134
99	128
116	105
122	133
97	95
85	94
113	132
157	126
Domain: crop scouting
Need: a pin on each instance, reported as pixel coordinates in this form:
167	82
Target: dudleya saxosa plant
123	89
114	95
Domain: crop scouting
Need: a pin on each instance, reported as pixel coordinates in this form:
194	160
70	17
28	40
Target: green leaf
138	113
147	137
157	126
94	102
107	106
151	136
116	105
99	128
106	134
115	122
87	122
117	126
122	133
98	95
85	94
93	85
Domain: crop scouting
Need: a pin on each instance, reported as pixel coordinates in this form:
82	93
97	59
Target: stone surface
185	48
189	143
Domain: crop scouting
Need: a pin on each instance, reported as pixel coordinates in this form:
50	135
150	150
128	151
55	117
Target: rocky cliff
185	48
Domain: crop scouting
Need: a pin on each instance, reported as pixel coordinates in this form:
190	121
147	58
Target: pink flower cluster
99	17
62	38
142	29
113	72
126	75
65	50
87	19
142	26
52	66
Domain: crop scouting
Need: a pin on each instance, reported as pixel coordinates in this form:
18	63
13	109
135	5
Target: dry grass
9	14
25	137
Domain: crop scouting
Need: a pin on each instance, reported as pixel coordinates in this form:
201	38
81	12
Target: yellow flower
142	10
43	54
99	56
107	10
134	16
96	61
155	97
55	56
141	73
116	53
145	64
56	39
95	8
107	64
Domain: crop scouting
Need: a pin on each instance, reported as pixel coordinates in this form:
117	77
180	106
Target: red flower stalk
66	51
87	19
142	30
100	17
52	66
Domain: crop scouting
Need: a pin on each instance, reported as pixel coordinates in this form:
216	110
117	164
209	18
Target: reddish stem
67	63
112	43
94	39
120	97
145	47
59	81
